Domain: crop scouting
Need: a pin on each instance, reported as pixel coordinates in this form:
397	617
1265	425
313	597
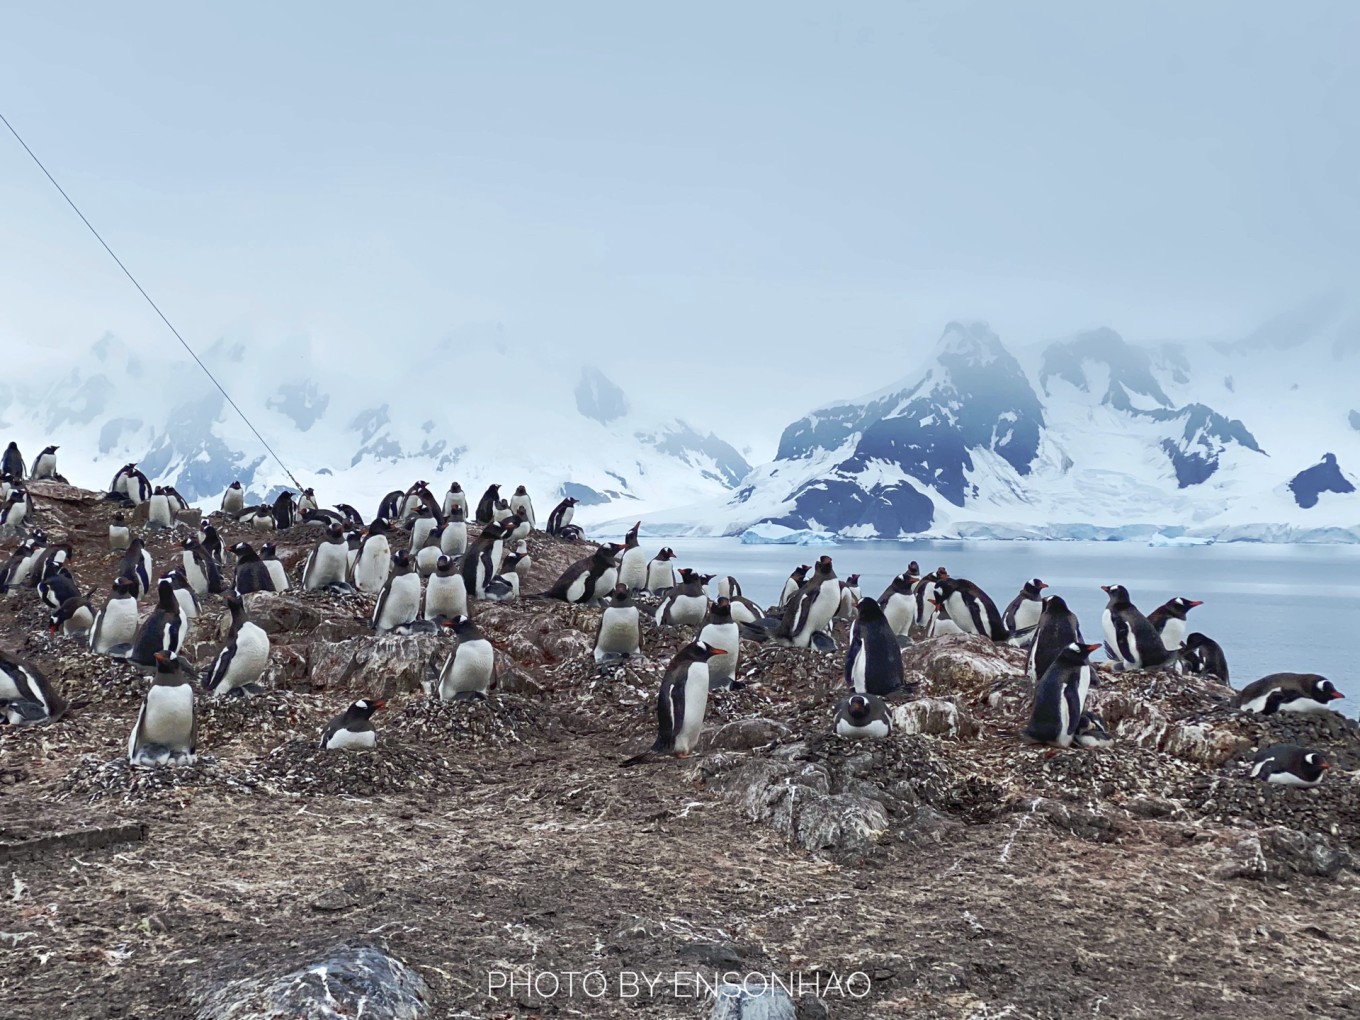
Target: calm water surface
1271	607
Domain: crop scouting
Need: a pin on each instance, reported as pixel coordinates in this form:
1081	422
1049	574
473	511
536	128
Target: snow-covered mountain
469	409
1085	437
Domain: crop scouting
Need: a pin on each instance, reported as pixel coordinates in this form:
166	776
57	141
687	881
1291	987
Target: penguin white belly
446	596
899	611
1107	629
81	621
198	581
9	690
453	542
168	716
350	740
402	604
660	576
688	610
427	560
1304	705
618	633
847	607
727	637
328	565
633	569
958	608
468	669
188	608
1173	634
1064	722
857	670
824	605
1027	614
789	588
696	704
373	565
158	512
117	626
1289	779
1257	704
420	531
604	584
876	729
249	662
567	515
277	574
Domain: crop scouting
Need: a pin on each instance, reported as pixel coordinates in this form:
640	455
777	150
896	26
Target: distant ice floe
778	534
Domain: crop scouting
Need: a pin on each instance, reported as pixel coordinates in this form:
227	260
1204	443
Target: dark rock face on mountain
1311	482
1195	452
1130	368
599	398
715	458
1354	419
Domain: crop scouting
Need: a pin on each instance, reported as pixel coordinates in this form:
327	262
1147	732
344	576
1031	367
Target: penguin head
1055	604
609	550
402	561
123	586
52	449
455	487
1076	653
1033	586
521	491
1324	690
234	600
620	595
365	707
1179	606
309	492
378	526
335	532
444	566
1117	592
1195	640
702	651
267	551
869	609
1316	760
167	664
801	572
721	609
233	485
56	620
422	511
858	707
666	554
158	491
824	564
190	543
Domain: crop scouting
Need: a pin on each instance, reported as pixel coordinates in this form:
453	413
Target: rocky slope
963	874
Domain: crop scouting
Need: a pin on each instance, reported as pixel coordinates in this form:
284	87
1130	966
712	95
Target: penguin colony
433	584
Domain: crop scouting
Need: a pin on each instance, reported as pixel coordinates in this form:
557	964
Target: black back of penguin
1058	627
873	663
1059	698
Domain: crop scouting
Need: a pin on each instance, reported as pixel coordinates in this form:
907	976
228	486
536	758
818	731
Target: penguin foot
469	696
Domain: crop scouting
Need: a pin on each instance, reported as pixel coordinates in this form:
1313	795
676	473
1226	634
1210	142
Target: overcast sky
749	208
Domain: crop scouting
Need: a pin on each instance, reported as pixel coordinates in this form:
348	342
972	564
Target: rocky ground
488	856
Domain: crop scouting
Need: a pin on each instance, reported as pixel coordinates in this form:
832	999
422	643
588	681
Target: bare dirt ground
955	872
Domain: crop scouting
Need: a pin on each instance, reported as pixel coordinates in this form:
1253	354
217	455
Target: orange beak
379	704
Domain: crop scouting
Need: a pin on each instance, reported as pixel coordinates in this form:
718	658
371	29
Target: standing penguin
251	574
167	726
898	602
327	563
926	593
1289	765
1130	640
728	587
16	509
13	463
1057	628
521	501
873	664
561	515
422	525
241	663
721	631
158	513
427	556
660	572
1205	656
686	604
1288	692
970	608
619	635
119	535
374	561
587	579
45	467
482	561
455	499
486	506
130	486
849	598
26	696
278	576
453	541
212	541
234	499
284	510
137	568
810	609
116	623
306	502
445	592
189	606
1060	698
1022	615
863	717
633	563
352	729
163	630
399	601
795	581
517	527
470	669
1168	620
681	703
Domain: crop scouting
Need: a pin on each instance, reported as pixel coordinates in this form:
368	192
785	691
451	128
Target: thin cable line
142	291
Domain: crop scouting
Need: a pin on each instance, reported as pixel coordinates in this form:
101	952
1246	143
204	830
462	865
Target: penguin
453	541
57	588
326	563
619	635
411	501
455	499
681	703
1060	698
660	572
521	501
1130	640
284	510
48	561
241	663
504	587
1289	765
424	523
189	607
252	575
1022	615
350	517
259	518
352	729
721	631
130	486
163	630
587	579
353	541
470	669
167	726
118	488
26	696
306	502
158	513
517	527
45	467
501	512
633	563
1203	655
1168	620
20	564
389	507
525	562
926	592
178	504
482	561
686	604
486	506
728	588
863	717
873	663
136	567
795	581
560	518
16	509
6	484
119	535
970	608
1288	692
1057	628
445	592
13	462
200	569
323	517
1091	732
234	499
427	556
810	609
116	623
399	600
899	604
74	618
374	561
277	574
849	598
212	541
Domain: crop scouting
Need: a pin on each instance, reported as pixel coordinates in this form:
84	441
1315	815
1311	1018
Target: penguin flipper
1073	700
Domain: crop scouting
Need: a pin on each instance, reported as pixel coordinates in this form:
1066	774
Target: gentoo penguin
445	592
352	729
562	514
389	507
57	588
188	600
686	604
587	579
970	608
721	631
1289	765
517	527
119	535
1091	731
158	513
1022	615
863	716
486	506
849	598
243	659
873	663
26	697
259	518
45	467
13	462
16	509
729	588
1057	628
1130	640
374	561
898	603
306	502
681	703
167	726
453	541
455	498
116	623
163	630
471	667
502	513
136	567
50	561
424	523
1060	698
660	572
795	581
482	561
525	561
926	592
504	587
428	554
350	516
212	541
399	601
20	564
74	618
252	575
326	563
1168	620
633	562
810	609
619	636
234	499
277	574
178	504
200	569
1204	655
521	501
284	510
1288	692
130	486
